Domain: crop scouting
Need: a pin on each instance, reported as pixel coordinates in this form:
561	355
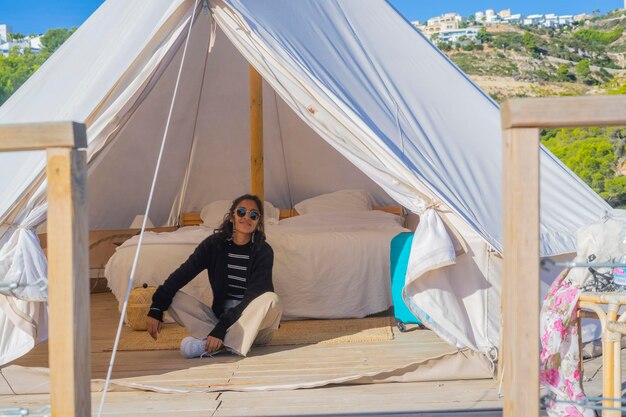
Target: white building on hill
514	19
4	32
455	34
445	22
31	42
533	19
551	21
504	13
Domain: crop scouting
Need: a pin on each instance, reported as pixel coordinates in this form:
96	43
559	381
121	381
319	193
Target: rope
8	286
147	212
41	282
19	411
6	380
434	204
571	264
18	226
591	403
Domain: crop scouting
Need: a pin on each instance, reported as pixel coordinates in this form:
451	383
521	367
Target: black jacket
211	255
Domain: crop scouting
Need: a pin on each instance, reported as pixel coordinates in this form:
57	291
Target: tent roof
429	120
358	99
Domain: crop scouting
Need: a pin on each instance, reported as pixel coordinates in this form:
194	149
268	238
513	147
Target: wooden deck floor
279	364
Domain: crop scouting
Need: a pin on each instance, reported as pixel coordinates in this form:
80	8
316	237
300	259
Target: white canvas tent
354	98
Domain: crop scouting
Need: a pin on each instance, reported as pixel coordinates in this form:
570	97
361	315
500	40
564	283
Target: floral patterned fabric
560	354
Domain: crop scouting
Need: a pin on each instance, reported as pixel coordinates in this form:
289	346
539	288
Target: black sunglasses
253	214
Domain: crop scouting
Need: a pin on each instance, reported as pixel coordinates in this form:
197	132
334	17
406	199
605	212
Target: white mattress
330	265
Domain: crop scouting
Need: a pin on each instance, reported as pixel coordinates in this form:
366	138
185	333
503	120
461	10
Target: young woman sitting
239	262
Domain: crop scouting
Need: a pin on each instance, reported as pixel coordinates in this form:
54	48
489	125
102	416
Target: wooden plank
135	403
564	112
190	219
256	134
397	210
272	363
68	274
521	272
35	136
287	213
377	399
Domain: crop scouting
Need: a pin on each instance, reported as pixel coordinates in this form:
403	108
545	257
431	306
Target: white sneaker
190	347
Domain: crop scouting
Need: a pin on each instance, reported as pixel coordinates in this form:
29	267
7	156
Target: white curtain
23	310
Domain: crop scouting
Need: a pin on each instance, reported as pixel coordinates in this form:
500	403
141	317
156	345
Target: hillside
585	59
515	61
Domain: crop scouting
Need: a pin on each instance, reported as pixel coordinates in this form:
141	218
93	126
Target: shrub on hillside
593	154
598	37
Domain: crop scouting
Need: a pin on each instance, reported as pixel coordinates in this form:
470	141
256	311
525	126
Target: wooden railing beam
38	136
563	112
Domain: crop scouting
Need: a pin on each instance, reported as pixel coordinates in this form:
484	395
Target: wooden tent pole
256	133
68	259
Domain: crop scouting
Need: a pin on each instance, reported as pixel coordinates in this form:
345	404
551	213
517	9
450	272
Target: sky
37	16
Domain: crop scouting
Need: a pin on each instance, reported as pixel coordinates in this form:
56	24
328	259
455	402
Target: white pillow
343	200
212	214
272	214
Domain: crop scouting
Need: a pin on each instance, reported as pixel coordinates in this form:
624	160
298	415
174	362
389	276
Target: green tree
15	70
583	69
615	191
593	154
483	35
54	38
444	46
530	42
15	37
563	74
19	65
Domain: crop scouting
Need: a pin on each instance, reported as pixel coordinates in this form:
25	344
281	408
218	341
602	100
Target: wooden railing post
521	121
521	253
68	294
68	259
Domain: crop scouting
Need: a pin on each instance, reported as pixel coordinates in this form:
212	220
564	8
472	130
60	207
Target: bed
327	265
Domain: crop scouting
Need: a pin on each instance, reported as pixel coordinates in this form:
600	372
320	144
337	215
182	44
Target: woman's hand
153	326
213	344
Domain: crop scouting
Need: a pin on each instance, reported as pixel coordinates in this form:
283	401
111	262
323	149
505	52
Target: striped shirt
238	260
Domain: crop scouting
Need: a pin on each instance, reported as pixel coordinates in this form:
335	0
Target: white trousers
255	326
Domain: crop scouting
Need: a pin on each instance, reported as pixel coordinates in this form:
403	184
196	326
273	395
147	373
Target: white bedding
326	265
